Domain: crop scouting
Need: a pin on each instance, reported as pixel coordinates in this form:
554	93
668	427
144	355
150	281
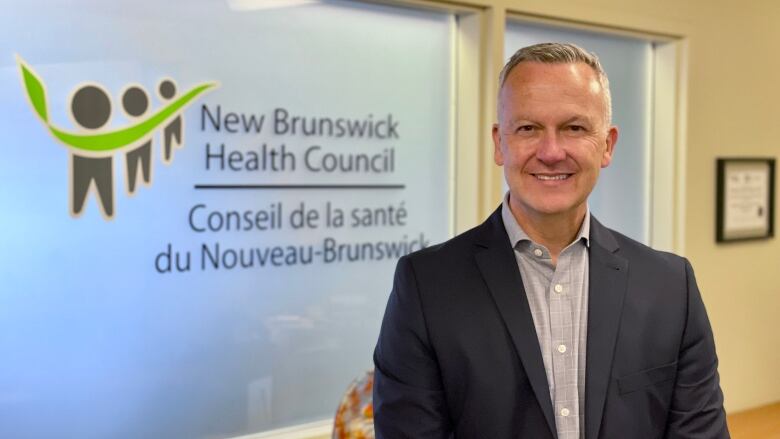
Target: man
542	323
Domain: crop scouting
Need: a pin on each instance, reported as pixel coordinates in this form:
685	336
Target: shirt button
558	288
561	348
538	252
564	412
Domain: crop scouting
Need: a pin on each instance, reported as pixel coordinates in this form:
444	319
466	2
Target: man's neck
555	232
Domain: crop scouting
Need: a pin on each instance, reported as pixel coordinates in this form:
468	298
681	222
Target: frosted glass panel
203	204
621	198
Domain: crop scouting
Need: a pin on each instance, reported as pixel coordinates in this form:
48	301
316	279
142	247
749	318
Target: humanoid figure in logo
90	109
135	104
173	132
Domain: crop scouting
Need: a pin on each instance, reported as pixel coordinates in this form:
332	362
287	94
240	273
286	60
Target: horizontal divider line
298	186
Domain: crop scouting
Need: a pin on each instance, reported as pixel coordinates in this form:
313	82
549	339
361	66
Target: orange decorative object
355	415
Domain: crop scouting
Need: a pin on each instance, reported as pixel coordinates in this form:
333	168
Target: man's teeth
552	177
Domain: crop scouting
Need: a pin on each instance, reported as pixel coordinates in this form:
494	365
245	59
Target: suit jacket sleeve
697	405
408	396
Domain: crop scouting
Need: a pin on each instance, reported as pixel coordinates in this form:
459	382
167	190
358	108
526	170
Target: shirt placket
562	331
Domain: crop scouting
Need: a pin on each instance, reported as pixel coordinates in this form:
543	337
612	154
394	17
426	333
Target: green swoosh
35	90
120	138
36	93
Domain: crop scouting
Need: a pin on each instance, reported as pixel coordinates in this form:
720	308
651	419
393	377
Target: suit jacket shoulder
631	249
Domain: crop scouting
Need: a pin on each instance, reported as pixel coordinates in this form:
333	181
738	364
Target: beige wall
733	104
733	111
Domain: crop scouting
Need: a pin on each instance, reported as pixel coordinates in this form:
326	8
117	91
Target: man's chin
552	209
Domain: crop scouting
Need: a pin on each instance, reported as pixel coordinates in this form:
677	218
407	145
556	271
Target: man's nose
550	149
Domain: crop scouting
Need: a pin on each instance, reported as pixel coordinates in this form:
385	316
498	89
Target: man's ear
611	141
498	156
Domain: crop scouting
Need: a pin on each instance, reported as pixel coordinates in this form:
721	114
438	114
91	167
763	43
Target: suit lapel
496	261
607	288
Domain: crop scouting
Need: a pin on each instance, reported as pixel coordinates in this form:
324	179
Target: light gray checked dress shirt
558	298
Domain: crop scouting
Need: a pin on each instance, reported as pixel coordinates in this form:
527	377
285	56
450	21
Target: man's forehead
562	83
565	117
555	75
551	93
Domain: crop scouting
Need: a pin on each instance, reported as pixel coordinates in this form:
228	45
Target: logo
92	147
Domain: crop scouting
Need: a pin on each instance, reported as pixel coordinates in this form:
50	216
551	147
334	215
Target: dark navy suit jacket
458	354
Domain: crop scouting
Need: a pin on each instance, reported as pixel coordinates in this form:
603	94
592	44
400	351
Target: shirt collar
517	234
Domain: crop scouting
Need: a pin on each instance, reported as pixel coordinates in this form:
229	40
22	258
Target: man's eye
576	128
525	128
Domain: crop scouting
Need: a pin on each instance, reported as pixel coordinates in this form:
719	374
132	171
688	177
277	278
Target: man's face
552	137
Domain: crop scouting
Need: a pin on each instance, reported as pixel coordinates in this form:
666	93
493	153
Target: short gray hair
560	53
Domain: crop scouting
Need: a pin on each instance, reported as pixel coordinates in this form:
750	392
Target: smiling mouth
551	177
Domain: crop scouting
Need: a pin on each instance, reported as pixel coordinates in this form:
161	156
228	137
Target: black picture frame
730	168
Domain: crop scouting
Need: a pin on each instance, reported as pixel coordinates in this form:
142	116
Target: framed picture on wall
745	199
